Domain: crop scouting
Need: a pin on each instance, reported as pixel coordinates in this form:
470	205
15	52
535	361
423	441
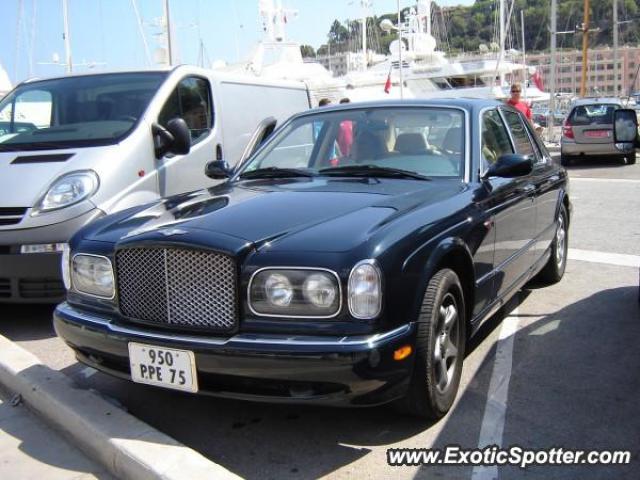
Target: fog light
43	248
402	352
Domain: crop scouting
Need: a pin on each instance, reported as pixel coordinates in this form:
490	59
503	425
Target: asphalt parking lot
558	368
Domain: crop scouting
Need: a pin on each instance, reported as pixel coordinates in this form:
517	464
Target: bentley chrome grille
173	286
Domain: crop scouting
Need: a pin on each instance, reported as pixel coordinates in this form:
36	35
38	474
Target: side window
495	138
32	111
191	101
295	151
539	153
519	133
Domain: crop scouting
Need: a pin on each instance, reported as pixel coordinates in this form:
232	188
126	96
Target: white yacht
5	83
427	73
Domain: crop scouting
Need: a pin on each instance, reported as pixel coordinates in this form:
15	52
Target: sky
105	33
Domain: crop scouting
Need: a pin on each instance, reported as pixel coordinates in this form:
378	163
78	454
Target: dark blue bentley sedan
347	261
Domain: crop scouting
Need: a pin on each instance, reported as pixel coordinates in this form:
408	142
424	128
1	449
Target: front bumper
356	370
35	277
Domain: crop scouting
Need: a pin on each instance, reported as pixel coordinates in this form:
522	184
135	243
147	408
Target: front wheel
631	159
440	346
553	271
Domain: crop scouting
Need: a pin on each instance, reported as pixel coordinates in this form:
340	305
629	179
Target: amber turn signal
402	352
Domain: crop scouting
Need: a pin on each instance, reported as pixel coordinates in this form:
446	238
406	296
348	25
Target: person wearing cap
516	102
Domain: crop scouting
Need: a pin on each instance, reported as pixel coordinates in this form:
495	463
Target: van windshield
78	111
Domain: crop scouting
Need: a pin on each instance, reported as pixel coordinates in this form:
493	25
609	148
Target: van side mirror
510	166
175	138
625	126
217	169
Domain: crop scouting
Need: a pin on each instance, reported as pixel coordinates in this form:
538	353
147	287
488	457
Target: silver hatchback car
588	132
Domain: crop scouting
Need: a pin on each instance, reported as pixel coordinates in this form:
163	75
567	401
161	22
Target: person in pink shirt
516	102
345	134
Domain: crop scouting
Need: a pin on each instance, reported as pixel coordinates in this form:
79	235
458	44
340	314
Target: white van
75	148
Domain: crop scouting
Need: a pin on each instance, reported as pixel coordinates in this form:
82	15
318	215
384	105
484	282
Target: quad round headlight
278	290
320	290
295	292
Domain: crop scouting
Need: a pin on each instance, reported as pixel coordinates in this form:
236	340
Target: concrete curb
127	447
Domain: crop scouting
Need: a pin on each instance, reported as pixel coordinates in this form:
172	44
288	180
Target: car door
546	177
511	202
191	100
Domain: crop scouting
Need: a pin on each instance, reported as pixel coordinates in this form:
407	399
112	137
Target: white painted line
88	372
620	259
604	180
496	406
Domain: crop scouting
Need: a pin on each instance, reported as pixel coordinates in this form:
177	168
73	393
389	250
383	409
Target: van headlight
92	275
365	290
289	292
68	190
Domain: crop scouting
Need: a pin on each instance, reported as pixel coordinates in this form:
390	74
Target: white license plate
163	367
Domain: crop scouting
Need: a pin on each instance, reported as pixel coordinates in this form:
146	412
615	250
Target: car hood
318	214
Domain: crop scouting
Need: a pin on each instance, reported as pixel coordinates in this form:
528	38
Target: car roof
471	104
596	101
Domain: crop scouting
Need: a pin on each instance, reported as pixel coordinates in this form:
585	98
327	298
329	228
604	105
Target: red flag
387	85
537	79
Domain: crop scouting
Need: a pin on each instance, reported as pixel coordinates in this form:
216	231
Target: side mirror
510	166
175	138
217	169
625	126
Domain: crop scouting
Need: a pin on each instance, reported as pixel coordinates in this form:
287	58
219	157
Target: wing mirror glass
217	169
625	126
510	166
174	138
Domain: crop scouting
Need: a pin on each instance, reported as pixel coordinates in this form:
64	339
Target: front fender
451	251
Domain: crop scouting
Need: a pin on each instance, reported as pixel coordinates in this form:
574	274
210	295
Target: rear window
597	114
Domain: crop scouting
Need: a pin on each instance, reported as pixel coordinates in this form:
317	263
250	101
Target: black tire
553	271
631	159
436	372
565	161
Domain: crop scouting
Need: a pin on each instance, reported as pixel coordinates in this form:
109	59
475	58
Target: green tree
307	51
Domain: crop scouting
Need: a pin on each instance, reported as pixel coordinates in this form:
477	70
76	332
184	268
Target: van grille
192	289
12	215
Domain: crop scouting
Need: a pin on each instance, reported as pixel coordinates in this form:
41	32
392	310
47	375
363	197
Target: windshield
426	141
75	111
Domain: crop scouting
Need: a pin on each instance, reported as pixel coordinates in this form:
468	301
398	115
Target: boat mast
616	85
501	19
585	49
524	58
67	37
552	82
400	44
167	23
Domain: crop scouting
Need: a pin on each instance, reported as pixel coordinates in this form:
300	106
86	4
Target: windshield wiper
276	172
371	171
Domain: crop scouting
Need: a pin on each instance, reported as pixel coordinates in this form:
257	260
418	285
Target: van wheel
631	159
440	346
553	271
565	161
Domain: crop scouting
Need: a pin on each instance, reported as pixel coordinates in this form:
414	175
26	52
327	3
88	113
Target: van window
82	111
191	101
